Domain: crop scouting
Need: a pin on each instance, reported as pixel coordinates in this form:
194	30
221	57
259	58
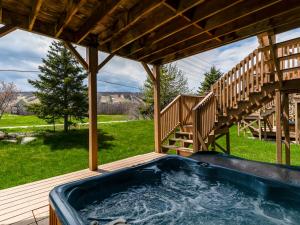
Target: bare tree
8	93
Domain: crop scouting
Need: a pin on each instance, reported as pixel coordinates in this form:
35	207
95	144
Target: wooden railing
178	113
204	116
256	70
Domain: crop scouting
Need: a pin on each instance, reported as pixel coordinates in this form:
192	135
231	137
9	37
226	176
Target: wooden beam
100	13
6	30
150	23
92	59
189	37
128	18
286	130
105	61
278	126
273	53
70	12
156	97
76	55
148	71
180	27
277	24
35	11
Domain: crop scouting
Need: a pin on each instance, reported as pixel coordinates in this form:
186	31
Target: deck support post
155	77
92	61
92	67
156	96
297	122
286	130
278	126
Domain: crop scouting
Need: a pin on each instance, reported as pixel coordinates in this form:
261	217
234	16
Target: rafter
150	24
187	21
287	23
77	55
6	30
183	40
210	23
71	11
128	18
101	12
35	11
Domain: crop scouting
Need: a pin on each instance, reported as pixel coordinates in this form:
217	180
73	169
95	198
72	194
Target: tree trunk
66	124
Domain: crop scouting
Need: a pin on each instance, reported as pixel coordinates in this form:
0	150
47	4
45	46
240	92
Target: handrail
177	113
204	117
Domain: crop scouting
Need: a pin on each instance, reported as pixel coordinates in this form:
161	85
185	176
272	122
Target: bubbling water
184	198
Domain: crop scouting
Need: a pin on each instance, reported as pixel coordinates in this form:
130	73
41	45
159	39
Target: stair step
181	140
177	148
181	134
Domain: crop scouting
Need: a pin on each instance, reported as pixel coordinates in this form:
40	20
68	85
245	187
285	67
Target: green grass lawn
16	120
254	149
58	153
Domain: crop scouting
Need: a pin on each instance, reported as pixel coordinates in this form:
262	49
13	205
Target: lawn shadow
60	140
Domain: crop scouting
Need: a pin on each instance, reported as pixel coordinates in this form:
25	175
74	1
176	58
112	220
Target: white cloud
23	51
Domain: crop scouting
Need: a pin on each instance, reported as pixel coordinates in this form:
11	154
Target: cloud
23	51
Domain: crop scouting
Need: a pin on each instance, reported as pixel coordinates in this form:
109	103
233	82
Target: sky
22	50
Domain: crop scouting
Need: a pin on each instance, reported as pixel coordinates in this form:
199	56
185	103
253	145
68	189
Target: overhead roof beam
288	22
210	23
6	30
126	19
104	10
186	42
35	11
180	23
150	23
73	8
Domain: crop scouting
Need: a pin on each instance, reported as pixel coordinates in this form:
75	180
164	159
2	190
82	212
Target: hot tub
176	190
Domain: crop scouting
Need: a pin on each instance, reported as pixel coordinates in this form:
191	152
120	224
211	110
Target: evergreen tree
210	78
60	89
172	83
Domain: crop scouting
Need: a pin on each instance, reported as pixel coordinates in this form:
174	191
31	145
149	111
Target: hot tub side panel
53	219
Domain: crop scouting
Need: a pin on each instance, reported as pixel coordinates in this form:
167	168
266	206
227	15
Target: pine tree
60	89
172	83
210	78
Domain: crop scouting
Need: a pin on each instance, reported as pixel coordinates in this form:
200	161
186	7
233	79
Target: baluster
252	73
248	76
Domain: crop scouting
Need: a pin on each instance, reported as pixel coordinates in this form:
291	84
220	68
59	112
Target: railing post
180	110
195	131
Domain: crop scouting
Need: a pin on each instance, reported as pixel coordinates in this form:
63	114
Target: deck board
28	204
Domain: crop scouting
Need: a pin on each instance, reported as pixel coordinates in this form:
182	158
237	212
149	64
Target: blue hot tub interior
177	190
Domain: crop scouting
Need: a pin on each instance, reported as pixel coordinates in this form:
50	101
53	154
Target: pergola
153	32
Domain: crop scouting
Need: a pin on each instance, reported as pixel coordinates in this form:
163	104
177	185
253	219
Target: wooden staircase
193	123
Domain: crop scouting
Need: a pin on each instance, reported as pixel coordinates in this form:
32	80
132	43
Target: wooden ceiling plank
99	13
130	17
148	25
71	11
264	14
6	30
34	14
286	23
76	55
211	11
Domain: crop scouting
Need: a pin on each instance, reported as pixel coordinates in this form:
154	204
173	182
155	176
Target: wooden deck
28	204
